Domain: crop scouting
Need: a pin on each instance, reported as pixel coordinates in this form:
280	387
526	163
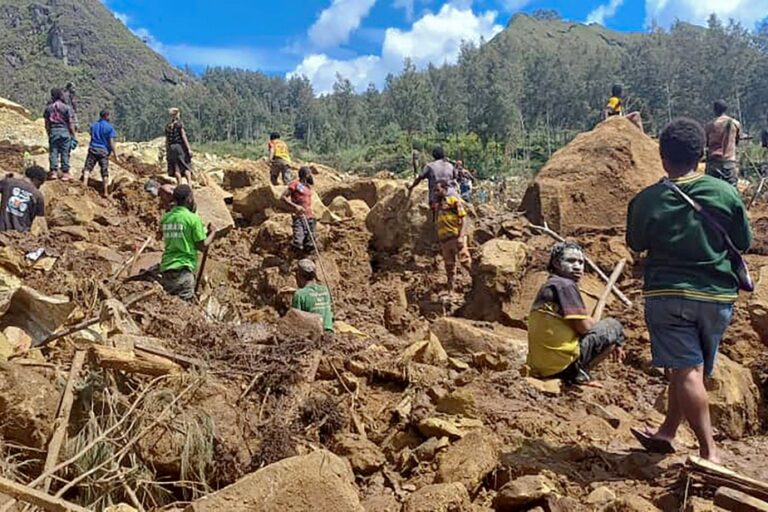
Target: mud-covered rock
29	399
71	210
734	399
212	208
364	456
255	201
309	483
382	503
369	191
462	338
354	209
523	493
758	305
470	460
399	222
451	497
460	402
630	504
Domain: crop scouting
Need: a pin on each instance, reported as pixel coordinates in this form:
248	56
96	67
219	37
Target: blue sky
364	40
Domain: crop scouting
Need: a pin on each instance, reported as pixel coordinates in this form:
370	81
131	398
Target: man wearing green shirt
184	234
690	281
312	297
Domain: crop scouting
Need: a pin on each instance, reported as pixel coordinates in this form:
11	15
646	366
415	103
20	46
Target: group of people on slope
691	283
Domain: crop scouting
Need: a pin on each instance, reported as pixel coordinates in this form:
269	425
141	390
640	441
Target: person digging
184	235
298	196
564	341
312	297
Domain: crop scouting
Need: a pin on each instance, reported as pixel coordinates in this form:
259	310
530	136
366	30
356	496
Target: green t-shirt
315	298
686	256
182	230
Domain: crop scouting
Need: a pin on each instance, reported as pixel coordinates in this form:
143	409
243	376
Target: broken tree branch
598	314
547	231
719	476
128	263
37	498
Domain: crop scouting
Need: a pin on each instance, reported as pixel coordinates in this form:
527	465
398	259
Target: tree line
504	107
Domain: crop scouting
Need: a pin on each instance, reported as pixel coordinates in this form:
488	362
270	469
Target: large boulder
71	210
309	483
470	460
253	202
400	221
371	191
37	314
734	399
439	498
28	404
212	208
758	305
463	338
589	182
354	209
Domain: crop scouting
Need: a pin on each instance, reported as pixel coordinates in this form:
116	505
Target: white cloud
665	12
408	6
604	12
124	18
514	5
435	38
338	21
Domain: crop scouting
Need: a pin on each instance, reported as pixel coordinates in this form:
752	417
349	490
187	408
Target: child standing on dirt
690	280
298	196
451	230
564	341
184	235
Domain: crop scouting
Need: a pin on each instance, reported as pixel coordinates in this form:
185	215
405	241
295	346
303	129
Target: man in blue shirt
102	146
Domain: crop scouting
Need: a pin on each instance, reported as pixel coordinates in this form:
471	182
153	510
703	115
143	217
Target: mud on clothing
180	283
304	232
450	217
100	156
182	231
552	343
279	169
21	203
687	258
315	298
451	252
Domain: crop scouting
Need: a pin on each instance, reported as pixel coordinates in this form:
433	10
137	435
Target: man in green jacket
312	297
184	235
690	282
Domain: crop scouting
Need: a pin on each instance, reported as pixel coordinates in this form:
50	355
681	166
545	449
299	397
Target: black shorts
100	156
177	158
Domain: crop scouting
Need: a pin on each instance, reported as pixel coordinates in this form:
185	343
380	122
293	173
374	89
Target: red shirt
301	194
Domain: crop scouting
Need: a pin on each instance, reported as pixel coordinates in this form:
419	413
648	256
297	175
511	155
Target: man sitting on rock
184	234
564	341
312	297
451	230
21	200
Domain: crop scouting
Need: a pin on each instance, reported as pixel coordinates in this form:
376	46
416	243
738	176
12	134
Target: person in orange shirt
280	160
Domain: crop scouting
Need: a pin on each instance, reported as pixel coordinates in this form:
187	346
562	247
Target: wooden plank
184	361
737	501
598	314
720	476
38	498
145	364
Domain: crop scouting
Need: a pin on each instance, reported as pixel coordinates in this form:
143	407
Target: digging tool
591	264
319	259
598	314
202	268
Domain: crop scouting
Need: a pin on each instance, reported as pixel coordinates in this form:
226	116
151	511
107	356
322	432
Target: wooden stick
186	362
128	263
591	264
721	476
250	386
131	362
202	269
737	501
38	498
598	314
62	419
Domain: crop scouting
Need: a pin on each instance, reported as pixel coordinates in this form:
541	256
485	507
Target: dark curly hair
682	142
556	254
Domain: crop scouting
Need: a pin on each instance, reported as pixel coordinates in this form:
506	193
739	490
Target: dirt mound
589	182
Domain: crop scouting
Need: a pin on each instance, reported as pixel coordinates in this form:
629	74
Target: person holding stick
564	341
298	196
692	278
184	235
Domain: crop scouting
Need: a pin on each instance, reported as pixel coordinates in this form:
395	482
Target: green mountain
46	43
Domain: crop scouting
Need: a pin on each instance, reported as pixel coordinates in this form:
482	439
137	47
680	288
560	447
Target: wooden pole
591	264
737	501
202	269
598	314
132	259
38	498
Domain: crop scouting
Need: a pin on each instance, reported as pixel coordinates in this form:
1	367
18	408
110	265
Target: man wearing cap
184	234
312	297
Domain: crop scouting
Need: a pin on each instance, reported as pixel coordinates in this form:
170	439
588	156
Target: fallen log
737	501
186	362
133	362
598	314
38	498
719	476
591	264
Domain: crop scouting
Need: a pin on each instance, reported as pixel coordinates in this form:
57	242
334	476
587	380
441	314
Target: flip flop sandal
652	444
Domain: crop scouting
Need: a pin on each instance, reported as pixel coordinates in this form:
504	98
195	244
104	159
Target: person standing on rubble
184	235
279	159
178	152
438	170
564	341
298	196
60	126
451	231
690	280
615	107
312	297
723	136
102	145
466	181
22	201
70	98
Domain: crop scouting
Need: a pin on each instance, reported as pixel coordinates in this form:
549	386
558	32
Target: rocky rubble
418	403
